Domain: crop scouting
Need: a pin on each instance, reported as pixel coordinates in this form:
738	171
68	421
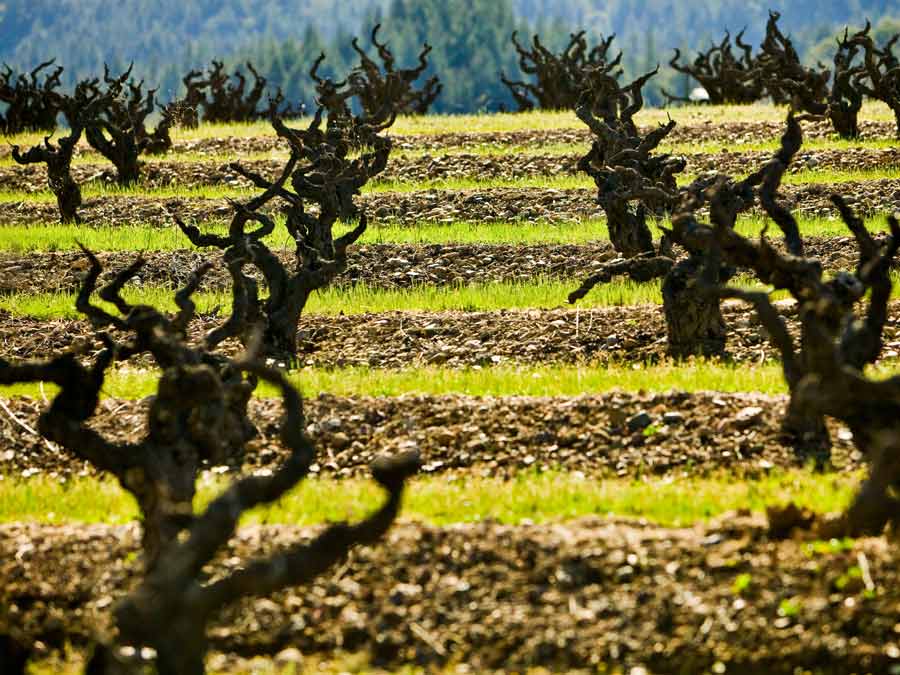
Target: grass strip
541	292
216	158
361	298
582	181
494	380
41	237
538	292
531	497
95	189
139	237
52	236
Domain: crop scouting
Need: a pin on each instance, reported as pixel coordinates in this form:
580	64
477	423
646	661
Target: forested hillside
673	22
471	38
163	37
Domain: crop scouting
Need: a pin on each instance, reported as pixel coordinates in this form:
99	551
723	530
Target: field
585	503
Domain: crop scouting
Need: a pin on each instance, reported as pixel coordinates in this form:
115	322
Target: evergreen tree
471	43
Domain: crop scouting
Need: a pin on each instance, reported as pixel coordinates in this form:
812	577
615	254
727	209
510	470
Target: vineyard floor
586	503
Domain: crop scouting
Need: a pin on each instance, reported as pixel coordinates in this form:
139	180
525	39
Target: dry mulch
597	434
720	597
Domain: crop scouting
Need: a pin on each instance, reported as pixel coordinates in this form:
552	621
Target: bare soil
33	178
572	205
546	205
491	436
571	595
389	266
376	265
459	339
729	133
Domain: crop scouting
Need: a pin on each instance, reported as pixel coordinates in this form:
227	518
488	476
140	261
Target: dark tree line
29	99
470	42
470	39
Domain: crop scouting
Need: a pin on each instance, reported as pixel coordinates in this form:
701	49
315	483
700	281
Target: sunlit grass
504	379
756	112
501	379
543	292
834	176
530	497
94	189
360	298
404	125
336	662
556	182
581	181
126	237
136	237
536	292
494	380
56	237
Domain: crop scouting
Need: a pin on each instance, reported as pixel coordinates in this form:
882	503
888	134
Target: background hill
471	38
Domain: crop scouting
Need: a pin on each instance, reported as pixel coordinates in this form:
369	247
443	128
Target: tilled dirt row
729	133
614	335
33	178
715	598
687	131
446	206
572	205
388	266
602	434
376	265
